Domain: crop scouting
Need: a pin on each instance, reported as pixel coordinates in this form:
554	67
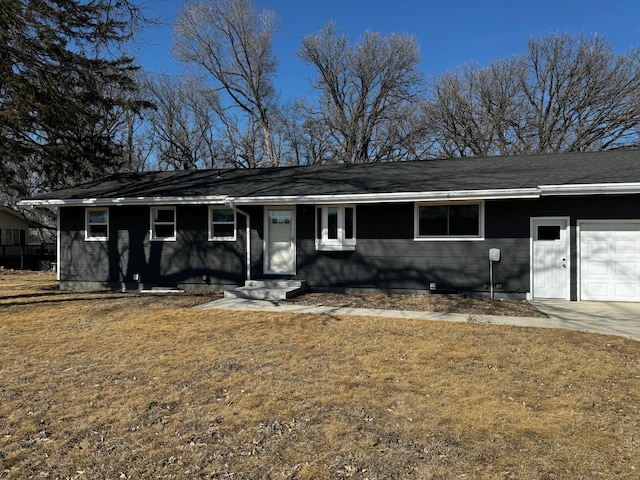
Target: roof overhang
396	197
591	189
105	202
391	197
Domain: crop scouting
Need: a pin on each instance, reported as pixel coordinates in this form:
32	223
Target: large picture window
163	223
336	227
222	223
449	221
97	224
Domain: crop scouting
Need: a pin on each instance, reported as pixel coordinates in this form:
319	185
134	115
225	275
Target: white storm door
280	252
550	258
610	260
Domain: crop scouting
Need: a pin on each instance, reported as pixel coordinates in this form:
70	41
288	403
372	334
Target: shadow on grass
49	297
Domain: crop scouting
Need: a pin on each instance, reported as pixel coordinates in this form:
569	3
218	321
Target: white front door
280	252
609	260
550	258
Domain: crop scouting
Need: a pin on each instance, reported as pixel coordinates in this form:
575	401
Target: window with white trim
222	224
163	223
449	221
97	224
335	227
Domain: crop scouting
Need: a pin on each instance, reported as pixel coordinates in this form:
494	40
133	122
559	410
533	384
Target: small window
449	221
163	223
97	227
548	232
335	227
222	223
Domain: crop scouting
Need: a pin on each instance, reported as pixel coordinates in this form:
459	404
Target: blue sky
449	32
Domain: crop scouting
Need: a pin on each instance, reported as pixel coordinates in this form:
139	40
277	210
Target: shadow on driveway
615	318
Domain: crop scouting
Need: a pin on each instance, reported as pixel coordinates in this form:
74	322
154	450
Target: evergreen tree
63	77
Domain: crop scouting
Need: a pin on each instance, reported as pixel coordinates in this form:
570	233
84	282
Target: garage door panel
597	247
626	291
626	269
597	268
610	261
595	290
626	247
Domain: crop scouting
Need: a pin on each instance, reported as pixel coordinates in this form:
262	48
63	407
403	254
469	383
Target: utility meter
494	254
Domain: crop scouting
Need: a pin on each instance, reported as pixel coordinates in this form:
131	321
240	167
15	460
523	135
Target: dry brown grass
115	386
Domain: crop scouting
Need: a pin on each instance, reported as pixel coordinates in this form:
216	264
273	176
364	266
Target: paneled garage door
610	260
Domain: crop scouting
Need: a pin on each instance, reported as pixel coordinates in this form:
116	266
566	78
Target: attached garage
609	267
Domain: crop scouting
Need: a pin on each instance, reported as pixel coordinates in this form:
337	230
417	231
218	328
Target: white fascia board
389	197
590	189
102	202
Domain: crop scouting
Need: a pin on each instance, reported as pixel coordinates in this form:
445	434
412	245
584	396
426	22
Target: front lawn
111	385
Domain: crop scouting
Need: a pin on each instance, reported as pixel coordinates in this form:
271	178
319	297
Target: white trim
87	213
392	197
567	220
103	202
265	243
340	244
152	224
590	189
448	238
387	197
211	237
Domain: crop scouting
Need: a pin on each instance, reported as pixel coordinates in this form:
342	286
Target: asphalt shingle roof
487	173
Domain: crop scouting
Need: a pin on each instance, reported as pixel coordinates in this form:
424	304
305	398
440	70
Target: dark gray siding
128	251
387	257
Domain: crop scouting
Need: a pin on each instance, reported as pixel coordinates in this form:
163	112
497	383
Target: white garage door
610	261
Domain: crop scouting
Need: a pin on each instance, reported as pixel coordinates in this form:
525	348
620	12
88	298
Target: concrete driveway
616	318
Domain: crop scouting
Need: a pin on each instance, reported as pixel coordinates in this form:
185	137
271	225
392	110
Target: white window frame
340	244
87	228
152	231
448	238
214	238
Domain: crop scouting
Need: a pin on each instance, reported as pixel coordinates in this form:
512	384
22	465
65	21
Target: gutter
389	197
105	202
394	197
591	189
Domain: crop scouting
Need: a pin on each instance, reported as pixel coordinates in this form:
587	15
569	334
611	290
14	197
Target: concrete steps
271	290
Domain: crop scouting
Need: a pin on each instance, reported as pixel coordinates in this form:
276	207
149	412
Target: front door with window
280	256
550	258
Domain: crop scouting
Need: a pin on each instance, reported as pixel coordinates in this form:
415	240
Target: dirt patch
422	303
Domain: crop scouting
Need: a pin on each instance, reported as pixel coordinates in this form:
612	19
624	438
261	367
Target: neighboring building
13	229
16	249
567	226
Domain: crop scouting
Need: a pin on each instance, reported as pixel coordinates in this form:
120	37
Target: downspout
248	236
58	246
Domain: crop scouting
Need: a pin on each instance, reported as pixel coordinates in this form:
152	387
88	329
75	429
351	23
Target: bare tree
476	111
180	129
565	94
364	90
232	42
306	139
579	94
